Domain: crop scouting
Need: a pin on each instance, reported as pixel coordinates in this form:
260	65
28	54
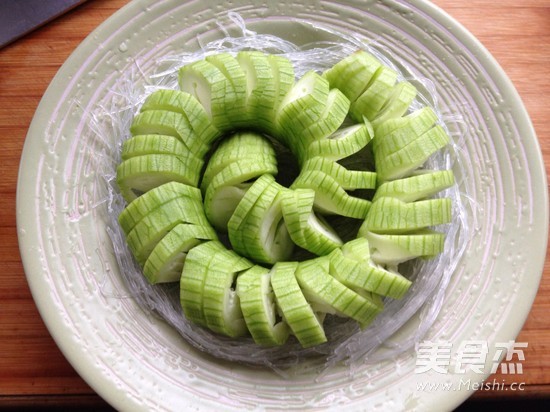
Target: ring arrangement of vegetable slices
205	208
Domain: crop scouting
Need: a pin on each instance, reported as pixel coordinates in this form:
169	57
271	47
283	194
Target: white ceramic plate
134	360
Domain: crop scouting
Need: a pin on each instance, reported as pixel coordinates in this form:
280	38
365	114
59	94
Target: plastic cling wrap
346	343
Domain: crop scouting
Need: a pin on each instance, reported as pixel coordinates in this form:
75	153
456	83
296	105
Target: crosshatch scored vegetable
201	166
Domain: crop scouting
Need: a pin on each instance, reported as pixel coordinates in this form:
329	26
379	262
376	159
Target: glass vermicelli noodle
346	342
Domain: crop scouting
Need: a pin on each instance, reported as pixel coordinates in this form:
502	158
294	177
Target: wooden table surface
33	372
